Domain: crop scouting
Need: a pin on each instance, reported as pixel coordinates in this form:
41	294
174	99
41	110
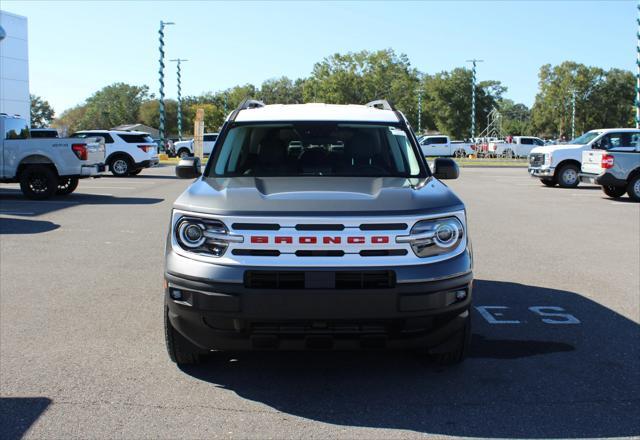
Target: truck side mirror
445	168
188	168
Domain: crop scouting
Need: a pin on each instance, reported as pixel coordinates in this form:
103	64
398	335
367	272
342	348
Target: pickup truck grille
536	159
352	280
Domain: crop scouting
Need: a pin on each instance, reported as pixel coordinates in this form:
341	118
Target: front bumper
92	170
418	311
539	172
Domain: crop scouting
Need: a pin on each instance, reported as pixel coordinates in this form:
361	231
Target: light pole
473	96
573	114
179	60
638	70
161	73
419	111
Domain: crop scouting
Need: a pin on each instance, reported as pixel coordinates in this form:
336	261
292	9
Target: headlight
204	236
429	238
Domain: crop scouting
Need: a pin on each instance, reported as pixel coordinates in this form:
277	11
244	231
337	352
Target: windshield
315	149
585	138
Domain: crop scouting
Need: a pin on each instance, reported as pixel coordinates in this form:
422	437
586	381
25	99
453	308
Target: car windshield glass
585	138
316	149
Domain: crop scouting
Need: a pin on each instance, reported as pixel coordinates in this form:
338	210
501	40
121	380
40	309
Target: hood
182	143
318	196
552	148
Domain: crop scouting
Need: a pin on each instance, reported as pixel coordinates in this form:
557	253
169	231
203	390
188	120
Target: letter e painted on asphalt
492	317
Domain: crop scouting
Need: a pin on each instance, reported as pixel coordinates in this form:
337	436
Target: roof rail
244	105
381	104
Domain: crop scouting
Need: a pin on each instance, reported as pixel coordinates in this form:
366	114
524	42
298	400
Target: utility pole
573	114
161	74
473	95
638	69
179	60
419	111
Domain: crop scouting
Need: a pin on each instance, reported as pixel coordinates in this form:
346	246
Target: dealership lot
556	337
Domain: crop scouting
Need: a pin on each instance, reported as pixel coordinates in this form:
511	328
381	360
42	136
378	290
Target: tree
70	120
448	101
516	118
356	78
149	114
281	91
114	105
603	99
41	112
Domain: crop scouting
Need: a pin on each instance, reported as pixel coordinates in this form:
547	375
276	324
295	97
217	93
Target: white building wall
14	66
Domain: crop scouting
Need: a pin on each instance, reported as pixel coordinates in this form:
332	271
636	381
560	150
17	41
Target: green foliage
603	99
516	118
282	90
70	120
41	112
448	102
149	114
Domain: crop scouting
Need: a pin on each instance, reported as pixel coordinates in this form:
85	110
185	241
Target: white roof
316	112
112	131
608	130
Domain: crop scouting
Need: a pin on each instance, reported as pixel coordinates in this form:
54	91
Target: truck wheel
508	153
181	351
38	182
614	191
120	166
459	351
548	182
183	152
67	185
633	189
568	176
460	153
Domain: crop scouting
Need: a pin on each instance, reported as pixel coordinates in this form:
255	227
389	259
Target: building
139	127
14	65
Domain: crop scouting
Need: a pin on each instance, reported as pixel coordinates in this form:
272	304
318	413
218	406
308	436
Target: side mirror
188	168
445	168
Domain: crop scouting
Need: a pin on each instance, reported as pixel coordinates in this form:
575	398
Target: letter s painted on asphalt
560	318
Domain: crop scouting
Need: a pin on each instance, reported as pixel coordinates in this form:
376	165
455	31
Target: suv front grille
352	280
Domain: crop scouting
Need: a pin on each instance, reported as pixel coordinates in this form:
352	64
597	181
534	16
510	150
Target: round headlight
446	234
191	234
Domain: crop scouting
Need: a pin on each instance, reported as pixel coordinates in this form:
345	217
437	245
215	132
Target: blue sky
76	48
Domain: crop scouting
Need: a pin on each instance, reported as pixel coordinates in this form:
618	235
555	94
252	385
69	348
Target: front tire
568	176
181	351
67	185
633	188
614	192
459	154
184	152
120	166
38	182
548	182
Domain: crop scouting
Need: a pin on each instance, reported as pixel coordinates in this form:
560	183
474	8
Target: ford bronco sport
317	226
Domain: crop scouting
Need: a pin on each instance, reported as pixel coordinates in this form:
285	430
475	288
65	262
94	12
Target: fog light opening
175	294
461	294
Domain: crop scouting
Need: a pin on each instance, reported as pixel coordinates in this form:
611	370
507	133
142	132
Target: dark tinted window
107	137
435	140
210	137
526	141
316	149
15	128
44	134
136	138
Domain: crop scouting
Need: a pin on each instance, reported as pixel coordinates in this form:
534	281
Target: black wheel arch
36	159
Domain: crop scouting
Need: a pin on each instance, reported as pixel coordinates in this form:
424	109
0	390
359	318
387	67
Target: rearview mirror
445	168
188	168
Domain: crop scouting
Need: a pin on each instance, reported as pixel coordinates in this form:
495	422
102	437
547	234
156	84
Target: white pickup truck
45	167
185	148
560	164
440	145
520	146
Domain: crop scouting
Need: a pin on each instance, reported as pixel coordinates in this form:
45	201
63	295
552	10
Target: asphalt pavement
555	347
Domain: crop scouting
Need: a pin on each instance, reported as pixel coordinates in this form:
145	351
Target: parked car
45	167
185	148
520	146
617	172
440	145
354	247
49	133
560	164
128	152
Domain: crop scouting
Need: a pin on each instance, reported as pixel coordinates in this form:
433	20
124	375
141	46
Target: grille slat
372	279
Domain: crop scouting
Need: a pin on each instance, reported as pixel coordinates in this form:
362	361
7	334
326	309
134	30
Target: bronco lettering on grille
284	239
